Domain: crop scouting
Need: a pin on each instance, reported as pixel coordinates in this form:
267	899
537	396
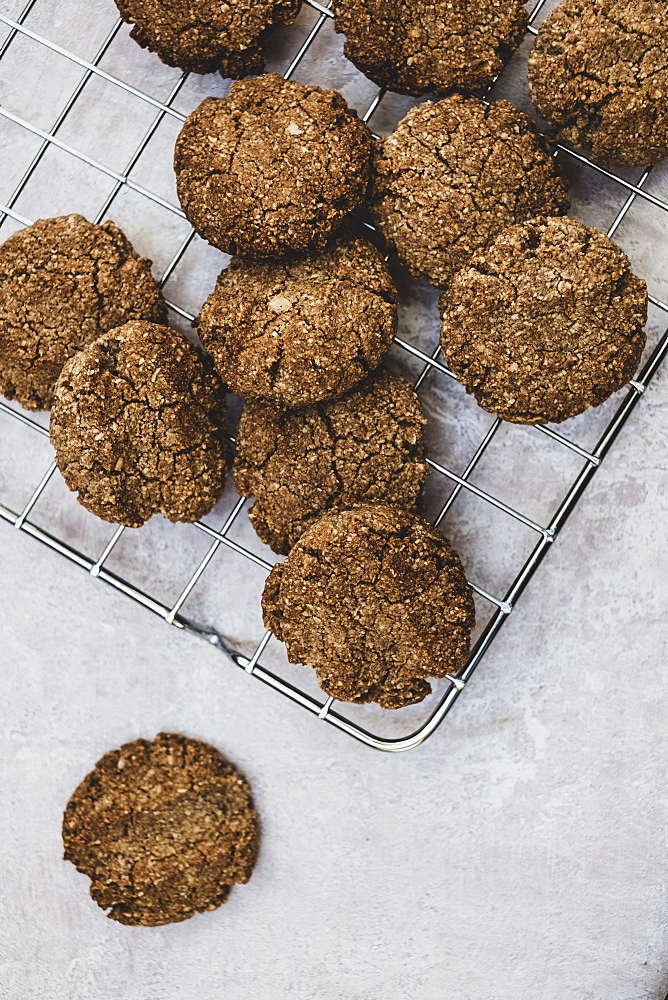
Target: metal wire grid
502	606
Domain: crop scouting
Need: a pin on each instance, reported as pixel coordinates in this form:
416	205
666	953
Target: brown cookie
300	463
414	46
205	36
453	175
599	72
545	322
63	282
163	829
271	168
376	600
302	329
137	425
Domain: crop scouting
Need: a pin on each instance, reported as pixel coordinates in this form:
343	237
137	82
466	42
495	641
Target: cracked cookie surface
376	601
545	322
63	282
272	168
452	175
599	72
302	329
414	46
298	464
205	36
163	829
137	424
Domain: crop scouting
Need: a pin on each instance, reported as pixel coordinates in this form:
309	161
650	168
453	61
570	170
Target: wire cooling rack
449	488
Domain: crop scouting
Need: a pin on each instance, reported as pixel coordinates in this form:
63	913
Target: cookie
137	424
163	829
63	282
545	322
376	600
302	329
415	46
201	36
599	73
271	168
454	174
301	463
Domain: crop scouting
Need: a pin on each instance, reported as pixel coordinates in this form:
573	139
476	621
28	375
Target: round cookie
301	463
271	168
376	600
302	329
455	173
599	72
202	36
63	282
163	829
414	46
137	424
545	322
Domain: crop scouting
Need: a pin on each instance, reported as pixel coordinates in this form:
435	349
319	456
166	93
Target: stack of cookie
541	316
329	443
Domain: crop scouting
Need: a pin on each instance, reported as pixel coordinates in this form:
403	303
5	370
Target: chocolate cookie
454	174
271	168
137	425
63	282
301	463
302	329
376	600
163	829
599	72
202	36
414	46
545	322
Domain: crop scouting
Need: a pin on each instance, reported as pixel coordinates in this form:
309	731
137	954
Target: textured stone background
521	852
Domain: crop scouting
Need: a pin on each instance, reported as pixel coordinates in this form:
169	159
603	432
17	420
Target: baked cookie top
301	463
301	329
271	168
414	46
376	600
545	322
63	282
137	424
163	828
452	175
599	72
205	36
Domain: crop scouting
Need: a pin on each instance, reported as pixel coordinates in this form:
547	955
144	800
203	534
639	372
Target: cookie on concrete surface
202	36
376	600
271	168
414	46
300	463
455	173
545	322
163	829
63	282
599	72
302	329
137	424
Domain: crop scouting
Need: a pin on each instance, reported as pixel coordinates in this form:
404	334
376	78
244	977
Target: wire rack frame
502	606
